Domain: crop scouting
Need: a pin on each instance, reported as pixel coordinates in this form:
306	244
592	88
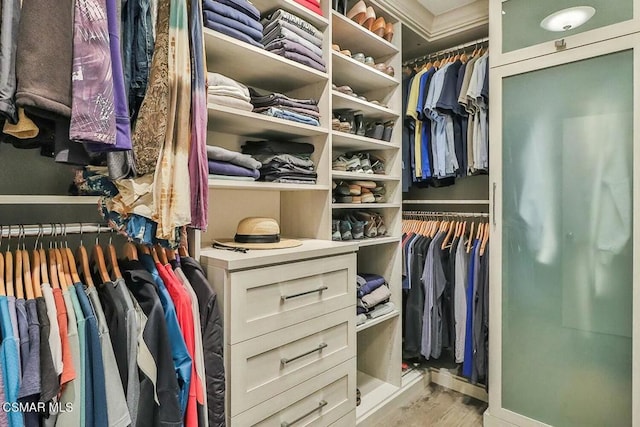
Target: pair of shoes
366	16
384	68
377	130
358	163
341	124
358	225
354	118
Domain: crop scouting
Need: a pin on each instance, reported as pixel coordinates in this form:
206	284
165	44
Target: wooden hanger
161	255
8	258
452	230
183	249
112	258
485	240
97	256
72	265
64	264
42	256
130	251
19	286
171	254
36	275
480	231
470	242
83	263
63	275
53	268
27	275
154	254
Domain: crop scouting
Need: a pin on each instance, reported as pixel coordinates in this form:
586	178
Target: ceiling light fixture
568	19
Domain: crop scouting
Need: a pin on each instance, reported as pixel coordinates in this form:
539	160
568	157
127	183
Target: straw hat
259	233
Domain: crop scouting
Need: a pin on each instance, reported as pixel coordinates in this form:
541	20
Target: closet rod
51	229
445	51
407	214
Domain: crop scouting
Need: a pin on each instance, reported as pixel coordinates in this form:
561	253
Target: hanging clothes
10	362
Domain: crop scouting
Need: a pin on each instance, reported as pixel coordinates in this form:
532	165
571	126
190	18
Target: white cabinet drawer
348	420
273	363
320	401
271	298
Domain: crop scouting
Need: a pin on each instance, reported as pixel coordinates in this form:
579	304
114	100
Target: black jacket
212	339
168	413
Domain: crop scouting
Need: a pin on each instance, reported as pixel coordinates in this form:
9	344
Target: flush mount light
568	19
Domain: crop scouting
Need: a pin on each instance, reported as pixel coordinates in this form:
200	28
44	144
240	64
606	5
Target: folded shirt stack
378	310
373	290
228	92
293	38
281	106
236	18
312	5
226	164
283	162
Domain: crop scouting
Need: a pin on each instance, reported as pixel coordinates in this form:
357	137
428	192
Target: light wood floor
438	407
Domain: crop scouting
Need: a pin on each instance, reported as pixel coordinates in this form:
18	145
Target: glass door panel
521	19
567	242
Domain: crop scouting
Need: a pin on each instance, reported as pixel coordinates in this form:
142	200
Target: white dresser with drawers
290	335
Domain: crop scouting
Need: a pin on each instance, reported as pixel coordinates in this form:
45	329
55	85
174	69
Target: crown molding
432	27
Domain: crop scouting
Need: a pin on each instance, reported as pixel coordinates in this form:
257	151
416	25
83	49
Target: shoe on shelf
339	164
358	118
362	98
345	230
379	220
343	189
355	190
374	130
356	199
369	61
368	197
388	130
388	32
379	26
370	18
379	190
345	199
335	47
380	198
357	227
359	57
335	124
346	52
370	228
377	166
358	12
345	89
390	71
366	164
366	184
335	230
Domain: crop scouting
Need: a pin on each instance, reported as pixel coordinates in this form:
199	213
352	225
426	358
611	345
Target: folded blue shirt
373	283
231	13
243	6
255	34
217	167
289	115
231	32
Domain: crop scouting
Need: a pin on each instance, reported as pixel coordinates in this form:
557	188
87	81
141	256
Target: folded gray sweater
239	159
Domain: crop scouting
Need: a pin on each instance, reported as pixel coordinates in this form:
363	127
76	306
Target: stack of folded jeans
228	92
230	165
294	38
373	297
236	18
283	162
281	106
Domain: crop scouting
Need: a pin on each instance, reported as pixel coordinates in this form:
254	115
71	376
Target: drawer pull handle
287	297
286	361
321	405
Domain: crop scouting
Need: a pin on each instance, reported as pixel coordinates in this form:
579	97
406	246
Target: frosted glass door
521	19
567	242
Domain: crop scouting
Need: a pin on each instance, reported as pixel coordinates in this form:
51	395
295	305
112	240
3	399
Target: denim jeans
294	117
137	50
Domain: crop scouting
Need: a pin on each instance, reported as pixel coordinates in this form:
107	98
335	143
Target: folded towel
224	168
228	91
376	297
231	102
224	155
381	310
